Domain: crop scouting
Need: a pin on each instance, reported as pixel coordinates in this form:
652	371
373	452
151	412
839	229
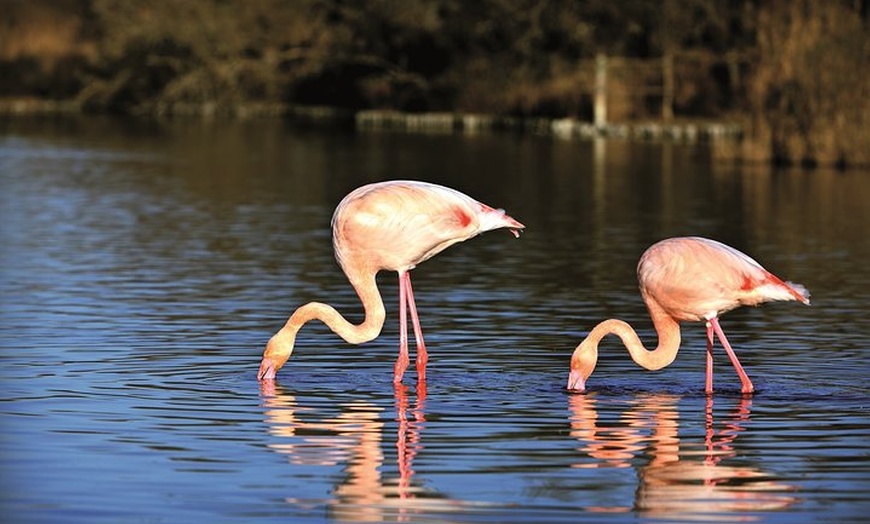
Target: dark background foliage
795	72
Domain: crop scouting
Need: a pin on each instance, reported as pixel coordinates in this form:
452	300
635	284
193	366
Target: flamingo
687	279
391	225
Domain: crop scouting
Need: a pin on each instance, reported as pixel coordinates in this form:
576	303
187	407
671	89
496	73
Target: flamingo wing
696	278
398	224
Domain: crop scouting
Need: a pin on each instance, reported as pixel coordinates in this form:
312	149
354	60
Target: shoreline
563	128
424	123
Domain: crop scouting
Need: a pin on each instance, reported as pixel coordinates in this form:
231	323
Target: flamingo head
576	382
582	365
268	369
278	350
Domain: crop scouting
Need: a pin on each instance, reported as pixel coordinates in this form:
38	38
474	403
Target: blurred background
793	75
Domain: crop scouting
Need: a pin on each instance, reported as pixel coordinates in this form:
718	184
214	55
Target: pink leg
709	387
422	354
747	386
404	359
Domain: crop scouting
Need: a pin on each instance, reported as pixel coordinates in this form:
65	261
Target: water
145	265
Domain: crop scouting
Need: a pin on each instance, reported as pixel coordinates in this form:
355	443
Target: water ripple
144	269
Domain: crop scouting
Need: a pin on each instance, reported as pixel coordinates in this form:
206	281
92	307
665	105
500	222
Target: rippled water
145	265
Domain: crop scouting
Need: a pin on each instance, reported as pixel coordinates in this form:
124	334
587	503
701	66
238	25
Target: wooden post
600	101
733	62
668	87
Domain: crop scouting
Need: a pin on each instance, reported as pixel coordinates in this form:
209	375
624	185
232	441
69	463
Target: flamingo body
687	279
697	279
394	226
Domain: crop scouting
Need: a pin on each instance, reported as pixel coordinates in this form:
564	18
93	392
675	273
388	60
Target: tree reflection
679	477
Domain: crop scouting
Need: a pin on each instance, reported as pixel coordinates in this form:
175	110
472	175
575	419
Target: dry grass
809	93
42	28
802	85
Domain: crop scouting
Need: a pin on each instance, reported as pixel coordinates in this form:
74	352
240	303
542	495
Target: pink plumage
393	226
687	279
696	279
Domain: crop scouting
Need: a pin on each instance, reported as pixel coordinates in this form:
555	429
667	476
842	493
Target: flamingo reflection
681	478
354	438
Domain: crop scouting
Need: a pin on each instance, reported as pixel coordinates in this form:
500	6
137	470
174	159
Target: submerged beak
576	382
267	370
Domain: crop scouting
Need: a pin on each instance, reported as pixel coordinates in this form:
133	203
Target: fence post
600	101
668	87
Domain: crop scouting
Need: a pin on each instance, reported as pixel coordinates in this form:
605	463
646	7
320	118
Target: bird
687	279
392	225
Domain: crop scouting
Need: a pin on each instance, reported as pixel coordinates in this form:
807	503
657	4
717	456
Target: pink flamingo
391	225
687	278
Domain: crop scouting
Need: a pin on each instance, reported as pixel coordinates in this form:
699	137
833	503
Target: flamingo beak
576	382
267	370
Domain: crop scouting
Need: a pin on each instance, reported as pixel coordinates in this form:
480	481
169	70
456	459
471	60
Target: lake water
145	265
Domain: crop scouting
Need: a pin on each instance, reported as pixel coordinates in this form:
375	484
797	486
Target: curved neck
280	346
668	329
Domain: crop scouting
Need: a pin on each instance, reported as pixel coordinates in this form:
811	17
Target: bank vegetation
794	74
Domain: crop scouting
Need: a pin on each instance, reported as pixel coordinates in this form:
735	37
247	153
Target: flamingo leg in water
422	354
403	360
746	384
709	383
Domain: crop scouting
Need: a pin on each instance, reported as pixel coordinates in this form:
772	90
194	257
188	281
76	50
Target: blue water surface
145	265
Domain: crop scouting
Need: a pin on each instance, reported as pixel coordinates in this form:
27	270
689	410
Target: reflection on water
145	264
680	479
355	439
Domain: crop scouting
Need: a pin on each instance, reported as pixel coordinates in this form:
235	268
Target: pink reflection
353	438
689	480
